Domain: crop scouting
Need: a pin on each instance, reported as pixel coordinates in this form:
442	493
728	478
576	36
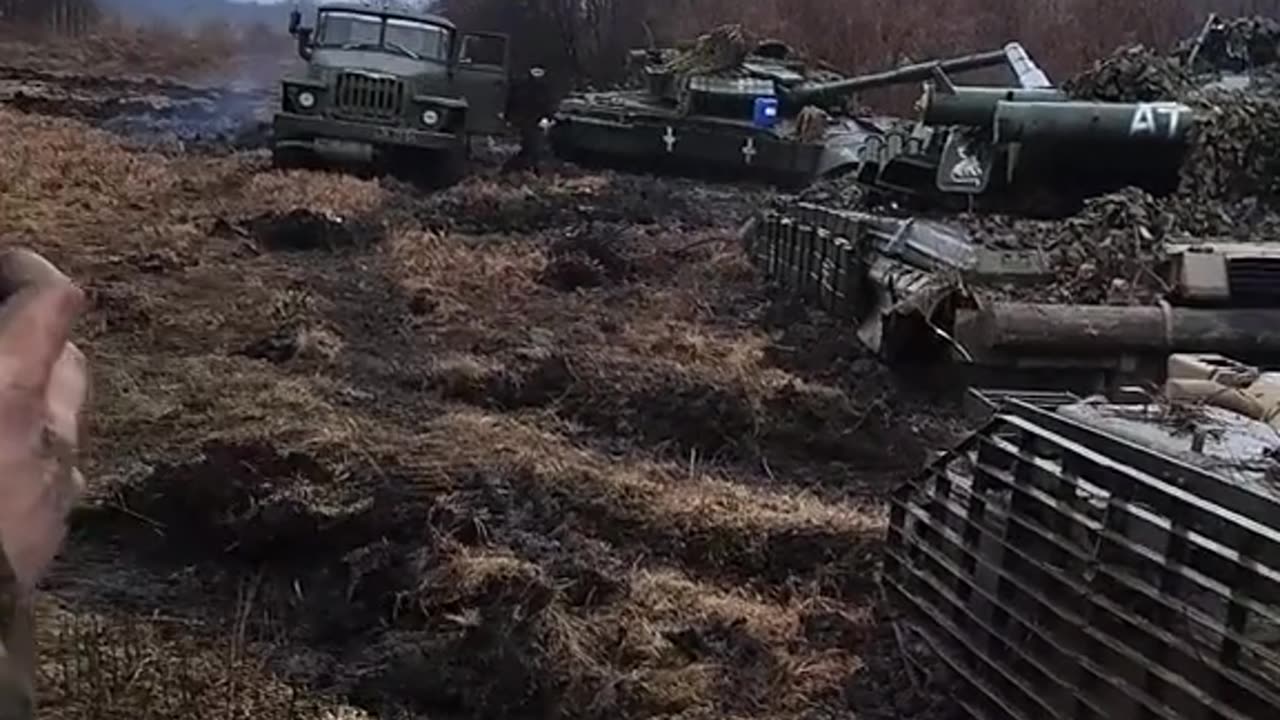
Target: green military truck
389	88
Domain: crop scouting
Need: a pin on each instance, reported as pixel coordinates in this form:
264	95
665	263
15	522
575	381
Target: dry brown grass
215	53
601	491
95	666
211	52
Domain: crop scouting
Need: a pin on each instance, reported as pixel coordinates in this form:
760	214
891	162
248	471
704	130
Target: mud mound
1131	74
534	559
508	204
296	341
689	409
250	500
590	256
303	229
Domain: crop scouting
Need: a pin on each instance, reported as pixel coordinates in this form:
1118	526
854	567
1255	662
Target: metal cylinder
1101	329
915	72
976	106
1158	122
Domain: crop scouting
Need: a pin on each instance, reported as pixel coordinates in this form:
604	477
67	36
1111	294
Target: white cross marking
749	150
670	139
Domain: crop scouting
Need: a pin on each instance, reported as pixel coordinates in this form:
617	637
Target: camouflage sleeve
17	648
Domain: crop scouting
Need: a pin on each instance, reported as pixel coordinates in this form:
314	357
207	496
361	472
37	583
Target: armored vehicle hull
723	107
623	129
389	90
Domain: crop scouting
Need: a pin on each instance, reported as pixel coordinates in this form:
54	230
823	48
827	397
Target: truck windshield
422	39
353	30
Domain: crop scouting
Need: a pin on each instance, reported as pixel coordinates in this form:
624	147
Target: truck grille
363	97
1254	279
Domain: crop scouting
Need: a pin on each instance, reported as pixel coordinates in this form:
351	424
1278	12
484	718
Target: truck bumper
357	141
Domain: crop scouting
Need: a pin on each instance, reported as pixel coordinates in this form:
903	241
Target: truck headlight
430	117
306	100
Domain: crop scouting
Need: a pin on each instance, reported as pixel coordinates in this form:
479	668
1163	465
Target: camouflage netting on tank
1110	251
1235	147
1131	74
1235	45
720	49
1236	144
723	48
1104	254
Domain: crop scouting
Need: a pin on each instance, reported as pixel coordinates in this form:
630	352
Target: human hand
43	386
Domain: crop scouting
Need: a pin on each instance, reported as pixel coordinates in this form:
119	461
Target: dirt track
528	447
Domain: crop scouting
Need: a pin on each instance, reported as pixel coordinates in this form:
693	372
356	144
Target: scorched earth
531	446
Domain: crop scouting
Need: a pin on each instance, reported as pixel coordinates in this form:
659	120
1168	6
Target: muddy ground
532	446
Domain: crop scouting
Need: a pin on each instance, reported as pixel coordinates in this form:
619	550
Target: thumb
40	305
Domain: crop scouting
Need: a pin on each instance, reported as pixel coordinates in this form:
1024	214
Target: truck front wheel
287	158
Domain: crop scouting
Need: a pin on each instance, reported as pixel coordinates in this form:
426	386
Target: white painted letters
1147	119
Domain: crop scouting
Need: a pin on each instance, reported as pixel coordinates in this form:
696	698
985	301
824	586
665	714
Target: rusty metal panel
1061	572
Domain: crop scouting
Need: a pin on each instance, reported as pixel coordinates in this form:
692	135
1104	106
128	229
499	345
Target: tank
1110	554
1012	143
757	109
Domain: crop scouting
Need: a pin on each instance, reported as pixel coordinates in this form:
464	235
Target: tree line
63	17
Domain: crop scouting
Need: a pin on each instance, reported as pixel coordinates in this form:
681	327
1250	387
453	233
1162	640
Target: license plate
343	147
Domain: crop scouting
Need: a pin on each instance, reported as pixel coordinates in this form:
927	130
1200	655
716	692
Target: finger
34	326
22	268
66	394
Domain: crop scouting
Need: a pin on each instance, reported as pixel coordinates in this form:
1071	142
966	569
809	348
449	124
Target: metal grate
367	97
1255	279
1064	573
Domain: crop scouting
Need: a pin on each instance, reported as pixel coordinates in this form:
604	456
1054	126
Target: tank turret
731	103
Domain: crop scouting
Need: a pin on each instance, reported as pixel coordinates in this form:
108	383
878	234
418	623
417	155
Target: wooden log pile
62	17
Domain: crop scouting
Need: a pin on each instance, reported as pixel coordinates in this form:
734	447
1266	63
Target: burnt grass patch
302	229
503	204
687	409
512	501
536	584
587	257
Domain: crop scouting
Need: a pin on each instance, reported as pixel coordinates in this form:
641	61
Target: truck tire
289	158
453	168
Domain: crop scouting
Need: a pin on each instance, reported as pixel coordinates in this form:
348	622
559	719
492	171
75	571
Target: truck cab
389	86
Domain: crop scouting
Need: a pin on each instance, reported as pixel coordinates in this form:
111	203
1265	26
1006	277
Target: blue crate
765	112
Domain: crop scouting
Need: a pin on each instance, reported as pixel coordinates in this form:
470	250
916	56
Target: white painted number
670	139
1146	117
749	150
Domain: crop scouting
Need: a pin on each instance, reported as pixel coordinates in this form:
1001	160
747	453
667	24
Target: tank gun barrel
1032	114
976	106
1161	122
915	72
